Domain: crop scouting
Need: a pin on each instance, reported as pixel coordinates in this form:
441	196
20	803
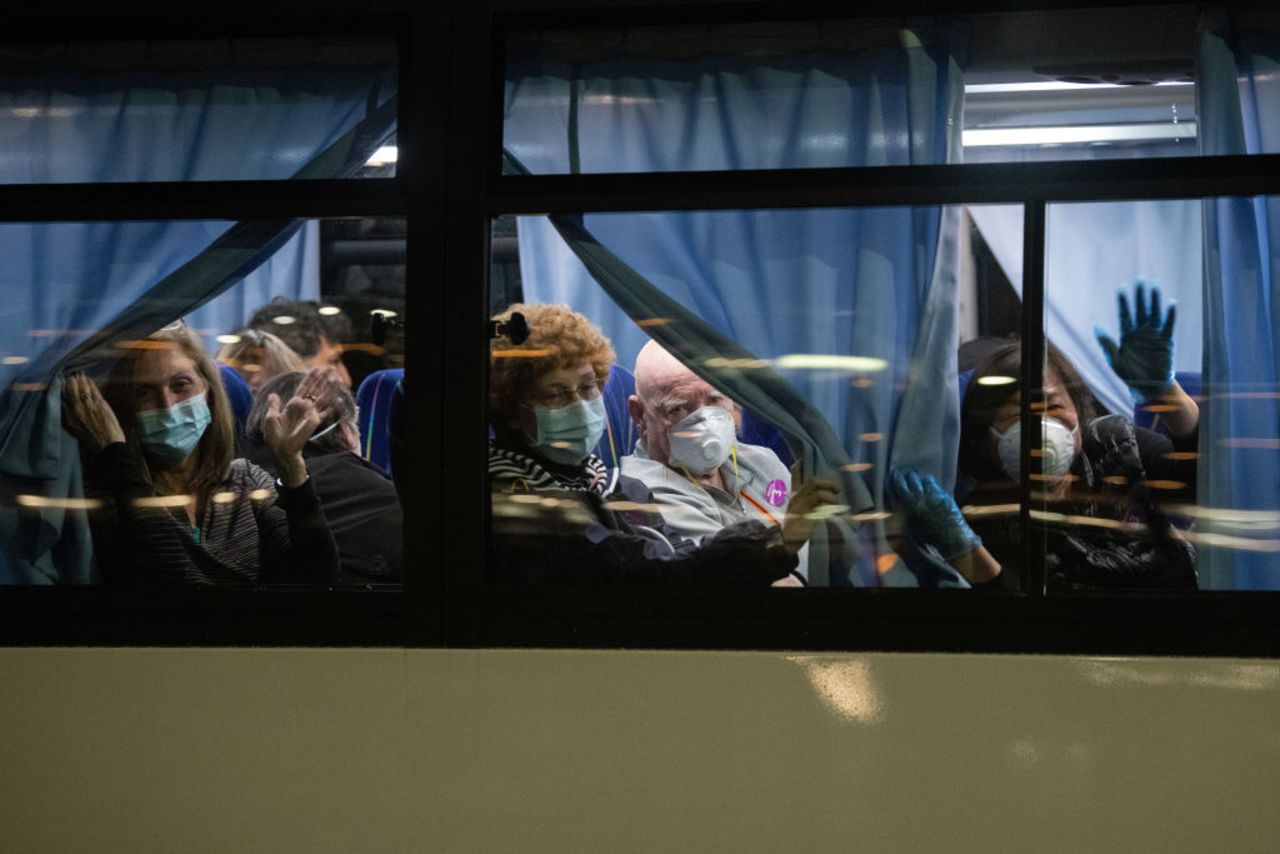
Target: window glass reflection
232	445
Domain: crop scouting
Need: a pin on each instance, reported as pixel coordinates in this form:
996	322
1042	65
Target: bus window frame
449	187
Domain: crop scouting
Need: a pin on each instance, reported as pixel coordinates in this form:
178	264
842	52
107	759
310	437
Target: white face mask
703	440
1057	441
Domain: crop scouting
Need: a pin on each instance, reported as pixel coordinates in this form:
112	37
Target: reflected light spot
870	516
60	503
828	511
227	339
559	444
249	367
864	382
364	347
1179	456
329	310
871	437
260	495
996	379
1159	407
15	360
146	344
1166	484
550	502
857	467
686	434
1116	480
520	354
383	312
886	562
1067	478
721	362
164	501
624	506
653	321
525	498
223	497
990	509
284	319
823	362
845	686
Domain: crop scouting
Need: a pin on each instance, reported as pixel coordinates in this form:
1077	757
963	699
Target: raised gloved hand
931	513
1144	356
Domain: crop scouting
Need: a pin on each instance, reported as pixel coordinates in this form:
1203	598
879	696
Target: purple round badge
776	493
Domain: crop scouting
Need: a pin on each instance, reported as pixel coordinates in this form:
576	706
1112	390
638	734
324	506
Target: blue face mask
566	434
170	435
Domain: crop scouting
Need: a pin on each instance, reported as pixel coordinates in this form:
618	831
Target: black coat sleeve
612	551
295	542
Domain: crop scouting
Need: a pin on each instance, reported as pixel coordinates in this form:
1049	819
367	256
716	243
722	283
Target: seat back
374	399
620	431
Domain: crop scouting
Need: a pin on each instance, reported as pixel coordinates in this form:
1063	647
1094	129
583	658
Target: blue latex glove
932	515
1144	356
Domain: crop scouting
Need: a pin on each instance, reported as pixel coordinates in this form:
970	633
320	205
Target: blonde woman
158	444
259	356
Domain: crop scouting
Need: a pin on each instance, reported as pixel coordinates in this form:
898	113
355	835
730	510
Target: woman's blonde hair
216	449
559	337
276	359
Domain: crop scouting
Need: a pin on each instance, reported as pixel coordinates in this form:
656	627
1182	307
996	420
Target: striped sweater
249	532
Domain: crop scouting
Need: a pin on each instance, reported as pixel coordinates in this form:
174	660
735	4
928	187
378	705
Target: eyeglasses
558	396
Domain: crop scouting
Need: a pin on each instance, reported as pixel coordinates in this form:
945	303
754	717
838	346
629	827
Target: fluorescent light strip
1054	86
1065	134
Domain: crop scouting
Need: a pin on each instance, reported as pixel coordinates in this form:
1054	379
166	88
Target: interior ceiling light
1078	134
1055	86
384	155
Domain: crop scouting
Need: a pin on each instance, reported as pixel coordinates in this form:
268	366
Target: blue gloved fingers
1140	313
1169	318
899	488
1109	346
1126	319
917	486
894	485
1153	316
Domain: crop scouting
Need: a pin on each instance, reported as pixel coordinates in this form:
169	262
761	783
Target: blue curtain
845	282
292	272
1239	76
78	286
1094	250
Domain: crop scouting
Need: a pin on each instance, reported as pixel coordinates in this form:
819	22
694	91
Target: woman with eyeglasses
158	447
560	516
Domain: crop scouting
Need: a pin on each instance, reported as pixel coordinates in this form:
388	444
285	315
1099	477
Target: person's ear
635	408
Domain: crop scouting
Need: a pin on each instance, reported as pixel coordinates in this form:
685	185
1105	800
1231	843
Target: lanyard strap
760	507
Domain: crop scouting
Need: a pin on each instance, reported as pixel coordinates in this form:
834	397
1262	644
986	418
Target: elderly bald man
689	456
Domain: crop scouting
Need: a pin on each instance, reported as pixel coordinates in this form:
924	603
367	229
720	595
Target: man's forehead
679	381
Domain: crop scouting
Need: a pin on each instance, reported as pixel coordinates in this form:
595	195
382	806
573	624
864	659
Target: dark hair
301	334
981	402
337	396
